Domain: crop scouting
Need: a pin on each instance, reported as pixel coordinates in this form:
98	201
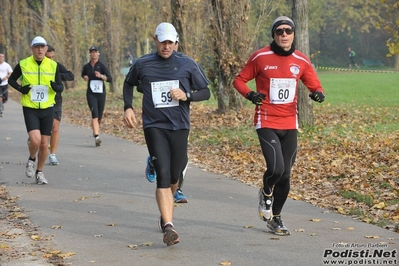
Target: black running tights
168	148
279	149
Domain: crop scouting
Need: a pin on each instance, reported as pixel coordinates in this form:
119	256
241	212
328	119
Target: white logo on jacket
270	67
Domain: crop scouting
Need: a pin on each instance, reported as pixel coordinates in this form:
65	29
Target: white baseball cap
38	40
166	31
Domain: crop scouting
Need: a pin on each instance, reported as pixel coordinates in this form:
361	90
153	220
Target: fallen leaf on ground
66	255
35	237
55	227
82	198
372	237
4	246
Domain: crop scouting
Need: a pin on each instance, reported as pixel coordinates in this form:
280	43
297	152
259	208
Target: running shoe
52	160
30	168
277	226
97	141
40	180
179	196
265	206
161	224
150	173
170	236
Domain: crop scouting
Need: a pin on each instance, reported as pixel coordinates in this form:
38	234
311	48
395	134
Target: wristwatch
188	96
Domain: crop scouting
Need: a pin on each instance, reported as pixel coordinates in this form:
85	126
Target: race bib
39	93
282	91
161	93
96	86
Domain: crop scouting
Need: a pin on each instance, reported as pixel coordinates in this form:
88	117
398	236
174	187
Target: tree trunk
71	61
300	16
231	45
178	20
111	42
222	95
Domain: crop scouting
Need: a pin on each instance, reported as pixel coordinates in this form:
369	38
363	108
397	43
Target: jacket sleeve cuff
127	107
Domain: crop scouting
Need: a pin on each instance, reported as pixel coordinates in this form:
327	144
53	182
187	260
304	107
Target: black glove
256	97
54	86
25	89
317	96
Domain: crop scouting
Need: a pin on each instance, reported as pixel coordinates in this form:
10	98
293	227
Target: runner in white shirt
5	73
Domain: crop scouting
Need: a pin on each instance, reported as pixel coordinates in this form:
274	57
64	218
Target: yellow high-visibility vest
34	74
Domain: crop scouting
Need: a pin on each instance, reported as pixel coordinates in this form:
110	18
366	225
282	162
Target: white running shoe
265	206
52	160
97	141
30	168
40	180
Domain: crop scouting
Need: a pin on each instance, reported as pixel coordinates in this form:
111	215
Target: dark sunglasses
280	32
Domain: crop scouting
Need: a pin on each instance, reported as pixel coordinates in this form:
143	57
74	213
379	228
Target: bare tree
300	16
232	41
179	16
68	45
6	30
111	41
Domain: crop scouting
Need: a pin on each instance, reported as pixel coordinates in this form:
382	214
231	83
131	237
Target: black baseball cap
93	48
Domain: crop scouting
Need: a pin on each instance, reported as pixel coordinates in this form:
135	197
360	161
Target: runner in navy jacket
166	78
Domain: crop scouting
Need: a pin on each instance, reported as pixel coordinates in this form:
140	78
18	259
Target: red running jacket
277	77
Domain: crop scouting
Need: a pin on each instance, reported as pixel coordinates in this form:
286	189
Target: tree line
219	34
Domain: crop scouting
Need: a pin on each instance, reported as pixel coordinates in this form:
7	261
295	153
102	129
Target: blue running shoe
150	171
179	196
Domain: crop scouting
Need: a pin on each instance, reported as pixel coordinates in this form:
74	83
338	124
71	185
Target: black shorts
96	102
4	92
41	119
169	147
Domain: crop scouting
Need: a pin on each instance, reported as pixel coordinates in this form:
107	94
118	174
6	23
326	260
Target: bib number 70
39	93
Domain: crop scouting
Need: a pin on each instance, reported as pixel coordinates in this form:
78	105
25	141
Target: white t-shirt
5	70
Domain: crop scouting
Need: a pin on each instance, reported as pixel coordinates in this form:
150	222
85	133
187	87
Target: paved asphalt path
94	188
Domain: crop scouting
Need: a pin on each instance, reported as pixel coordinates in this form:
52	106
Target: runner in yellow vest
40	81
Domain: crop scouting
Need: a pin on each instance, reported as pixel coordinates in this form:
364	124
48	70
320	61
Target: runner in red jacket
277	69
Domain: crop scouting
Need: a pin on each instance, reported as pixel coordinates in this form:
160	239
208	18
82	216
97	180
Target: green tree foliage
336	25
390	23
